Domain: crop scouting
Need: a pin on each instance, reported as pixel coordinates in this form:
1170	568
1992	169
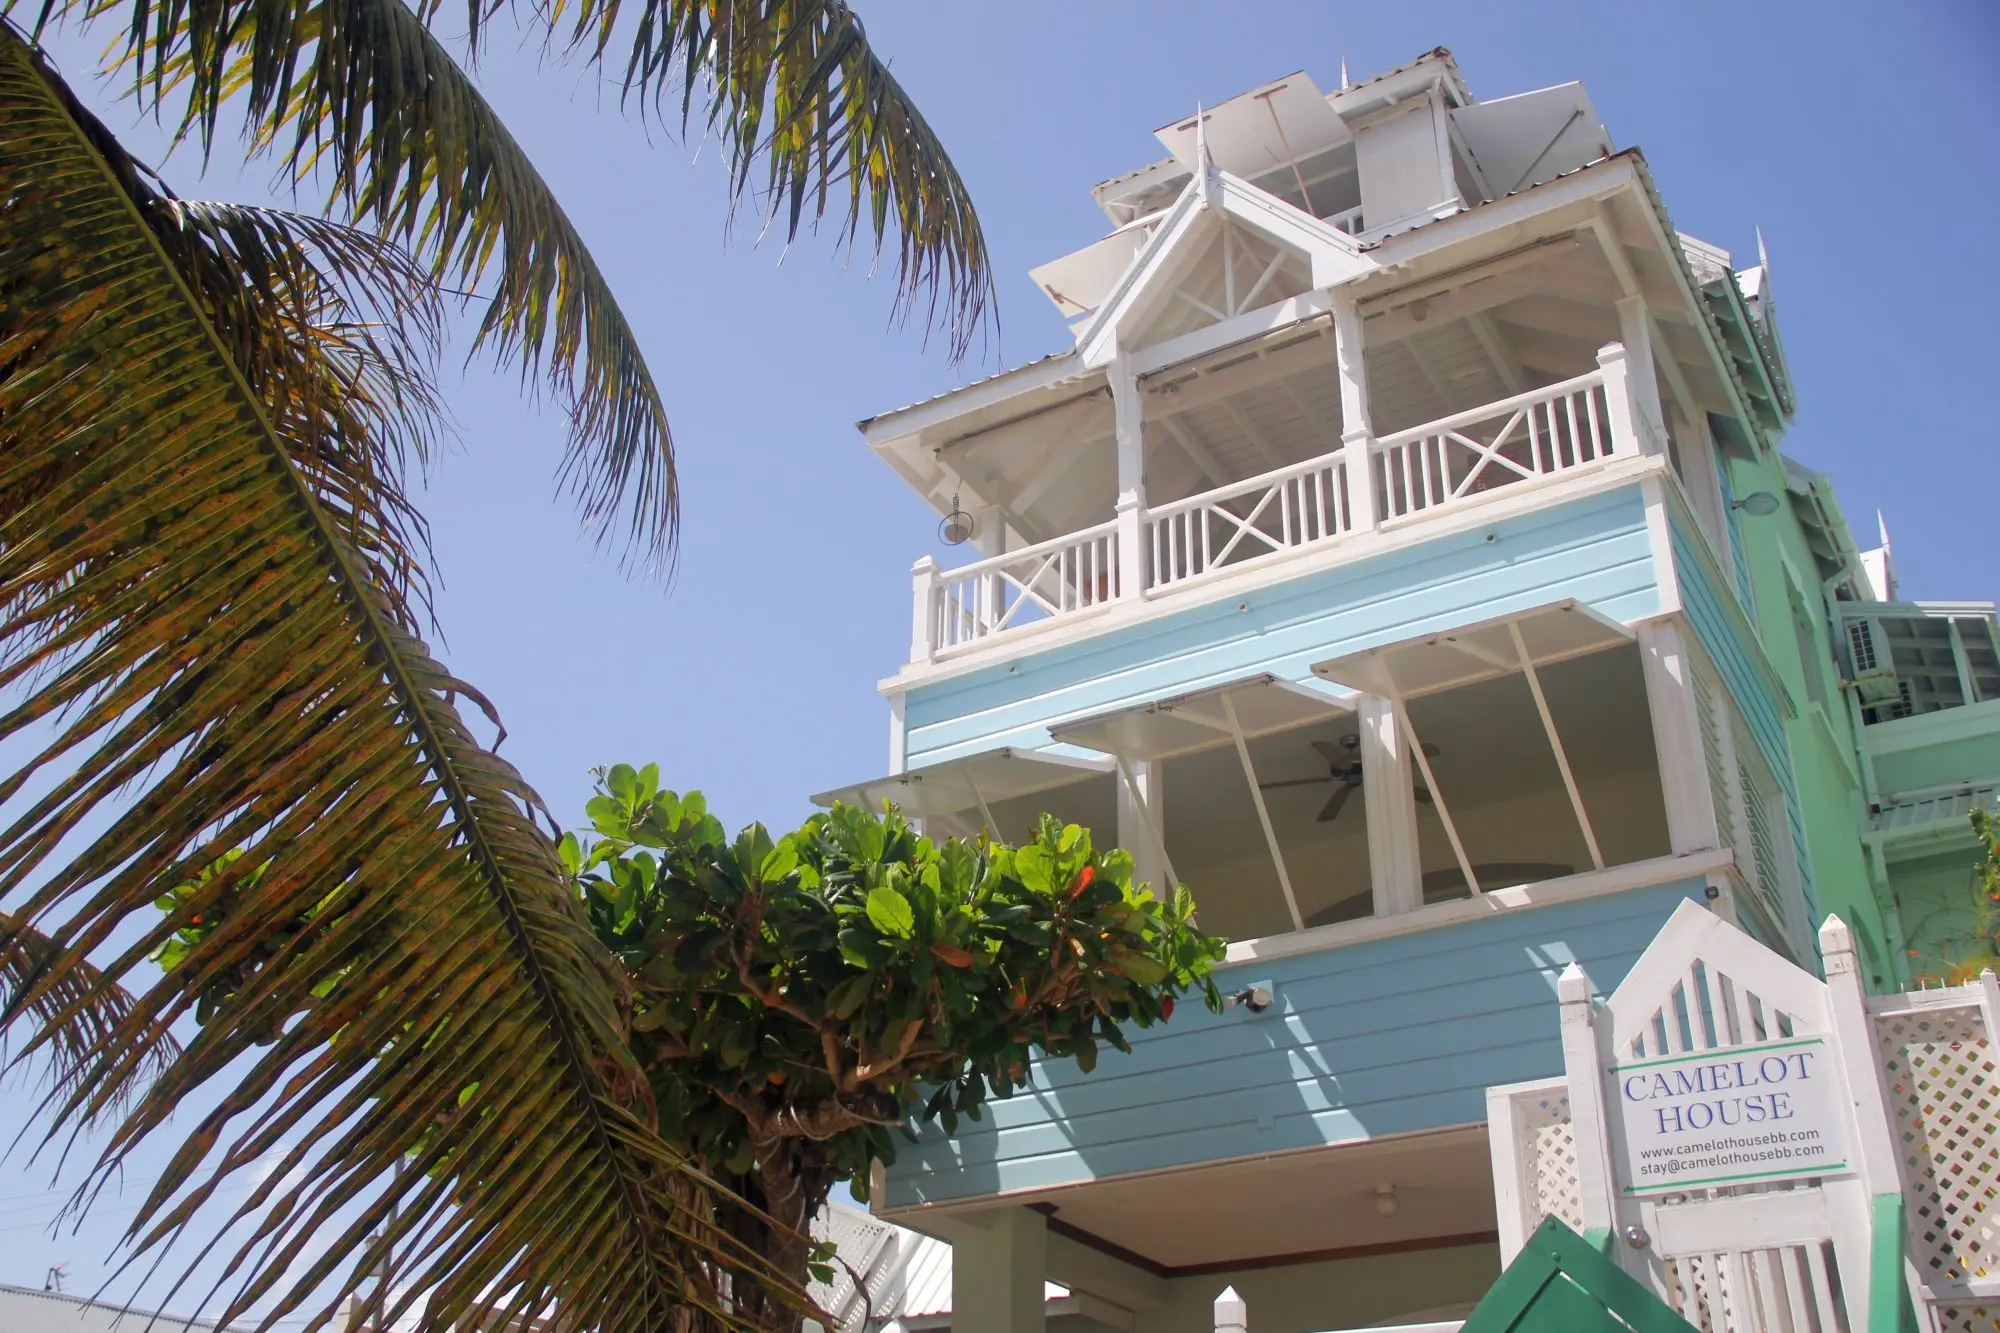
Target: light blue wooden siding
1720	633
1385	1037
1594	550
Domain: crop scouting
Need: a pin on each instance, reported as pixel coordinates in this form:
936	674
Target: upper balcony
1255	393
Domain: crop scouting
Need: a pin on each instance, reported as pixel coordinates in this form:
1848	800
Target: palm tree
212	584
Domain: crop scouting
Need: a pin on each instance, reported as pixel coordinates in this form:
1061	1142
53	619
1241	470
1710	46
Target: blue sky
1858	136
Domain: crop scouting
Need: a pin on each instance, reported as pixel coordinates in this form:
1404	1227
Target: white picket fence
1793	1257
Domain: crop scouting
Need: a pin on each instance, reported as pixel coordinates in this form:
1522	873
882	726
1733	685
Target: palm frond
363	93
233	675
79	1011
795	85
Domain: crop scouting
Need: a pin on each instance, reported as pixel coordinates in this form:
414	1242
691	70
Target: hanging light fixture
957	527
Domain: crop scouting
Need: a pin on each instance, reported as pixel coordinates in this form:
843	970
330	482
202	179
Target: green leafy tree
213	684
796	998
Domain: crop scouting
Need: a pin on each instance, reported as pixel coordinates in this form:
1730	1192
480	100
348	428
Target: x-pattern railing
1278	511
1535	434
1027	586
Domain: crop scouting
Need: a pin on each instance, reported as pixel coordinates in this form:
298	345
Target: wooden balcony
1542	438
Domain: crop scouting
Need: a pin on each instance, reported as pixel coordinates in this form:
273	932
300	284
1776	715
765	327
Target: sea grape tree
796	999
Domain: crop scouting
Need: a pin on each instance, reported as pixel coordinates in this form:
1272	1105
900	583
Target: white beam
1263	814
1256	435
1556	745
1183	435
1496	351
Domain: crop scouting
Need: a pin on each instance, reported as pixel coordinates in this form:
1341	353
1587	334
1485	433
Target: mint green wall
1962	760
1821	738
1935	893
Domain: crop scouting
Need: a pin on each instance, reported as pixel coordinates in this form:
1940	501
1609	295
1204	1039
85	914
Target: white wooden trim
1660	545
1583	1057
1747	1222
900	423
1229	331
1570	888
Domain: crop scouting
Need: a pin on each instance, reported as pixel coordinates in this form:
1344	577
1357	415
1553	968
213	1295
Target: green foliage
853	975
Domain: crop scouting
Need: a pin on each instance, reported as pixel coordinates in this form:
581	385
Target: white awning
1080	280
968	783
1198	720
1529	138
1478	652
1276	125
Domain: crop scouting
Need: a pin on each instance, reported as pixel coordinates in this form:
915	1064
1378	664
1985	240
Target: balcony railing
1019	588
1279	511
1531	439
1537	434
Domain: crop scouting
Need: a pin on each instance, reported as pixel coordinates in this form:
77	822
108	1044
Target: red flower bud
1167	1008
1087	874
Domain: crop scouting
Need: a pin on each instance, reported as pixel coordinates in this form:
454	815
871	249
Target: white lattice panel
1548	1156
1945	1095
1977	1317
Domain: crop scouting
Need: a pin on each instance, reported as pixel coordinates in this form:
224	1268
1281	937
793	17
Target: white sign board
1774	1111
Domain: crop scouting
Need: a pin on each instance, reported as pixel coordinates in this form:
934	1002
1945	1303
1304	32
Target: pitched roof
25	1310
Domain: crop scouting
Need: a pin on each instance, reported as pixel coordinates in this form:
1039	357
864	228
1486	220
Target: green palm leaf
360	96
191	611
75	1013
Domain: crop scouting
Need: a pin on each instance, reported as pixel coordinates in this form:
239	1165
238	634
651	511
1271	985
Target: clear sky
1860	137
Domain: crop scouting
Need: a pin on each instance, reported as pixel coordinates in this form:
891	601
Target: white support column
997	1272
1139	823
1357	436
1395	863
1677	739
1635	331
1627	440
1128	414
923	609
1142	811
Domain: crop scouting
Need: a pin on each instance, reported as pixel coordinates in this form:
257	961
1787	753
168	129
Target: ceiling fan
1345	759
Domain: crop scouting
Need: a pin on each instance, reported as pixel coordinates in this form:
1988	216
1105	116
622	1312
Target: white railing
1348	221
1278	511
1036	583
1537	434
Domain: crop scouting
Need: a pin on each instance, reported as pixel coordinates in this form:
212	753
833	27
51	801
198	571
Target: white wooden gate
1783	1257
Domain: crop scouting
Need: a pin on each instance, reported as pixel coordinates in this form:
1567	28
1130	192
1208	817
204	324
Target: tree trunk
789	1184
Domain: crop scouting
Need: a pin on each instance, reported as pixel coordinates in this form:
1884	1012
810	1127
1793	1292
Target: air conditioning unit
1870	666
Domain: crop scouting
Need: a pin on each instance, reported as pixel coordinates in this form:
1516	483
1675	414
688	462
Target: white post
1141	802
1357	437
1128	414
1232	1313
1395	866
1677	742
1582	1071
997	1273
1853	1034
1635	331
1625	437
923	620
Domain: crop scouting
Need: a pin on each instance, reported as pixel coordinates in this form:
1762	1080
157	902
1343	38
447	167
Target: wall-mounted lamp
1757	504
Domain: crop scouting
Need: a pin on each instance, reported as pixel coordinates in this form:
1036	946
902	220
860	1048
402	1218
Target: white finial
1763	256
1201	136
1345	82
1882	529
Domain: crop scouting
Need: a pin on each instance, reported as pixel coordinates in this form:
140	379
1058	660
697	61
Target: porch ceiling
1298	1206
